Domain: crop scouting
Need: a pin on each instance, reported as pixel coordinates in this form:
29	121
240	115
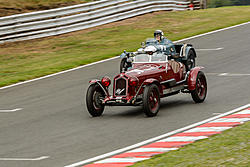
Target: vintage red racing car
152	75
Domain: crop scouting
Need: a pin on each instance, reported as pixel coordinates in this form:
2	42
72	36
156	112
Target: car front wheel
151	100
94	98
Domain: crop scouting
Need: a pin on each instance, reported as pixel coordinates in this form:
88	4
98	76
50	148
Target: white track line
73	69
7	111
212	32
62	72
201	129
232	75
209	49
228	74
24	159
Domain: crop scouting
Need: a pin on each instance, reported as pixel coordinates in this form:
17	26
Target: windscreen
142	58
146	58
158	57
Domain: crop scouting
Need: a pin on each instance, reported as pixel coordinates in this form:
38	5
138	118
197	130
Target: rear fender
192	77
153	81
188	48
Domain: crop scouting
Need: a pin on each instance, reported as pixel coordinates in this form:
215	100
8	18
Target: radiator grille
120	87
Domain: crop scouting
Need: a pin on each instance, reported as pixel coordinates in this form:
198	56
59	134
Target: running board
173	90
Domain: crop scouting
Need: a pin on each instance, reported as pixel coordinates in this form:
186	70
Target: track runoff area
172	140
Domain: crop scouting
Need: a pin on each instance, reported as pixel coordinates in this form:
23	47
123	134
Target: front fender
93	81
192	77
123	55
152	81
97	81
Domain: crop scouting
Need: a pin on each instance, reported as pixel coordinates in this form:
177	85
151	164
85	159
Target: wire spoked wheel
200	92
151	100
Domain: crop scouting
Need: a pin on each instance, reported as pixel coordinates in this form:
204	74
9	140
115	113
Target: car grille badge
119	91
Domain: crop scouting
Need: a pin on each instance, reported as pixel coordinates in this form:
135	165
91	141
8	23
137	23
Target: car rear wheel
200	92
93	100
151	100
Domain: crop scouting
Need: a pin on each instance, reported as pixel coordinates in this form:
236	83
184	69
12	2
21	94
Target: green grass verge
228	149
30	59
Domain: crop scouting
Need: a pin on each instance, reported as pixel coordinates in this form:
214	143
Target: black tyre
124	65
93	100
190	62
151	100
200	92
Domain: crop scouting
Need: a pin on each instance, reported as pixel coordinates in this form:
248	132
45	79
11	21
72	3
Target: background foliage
219	3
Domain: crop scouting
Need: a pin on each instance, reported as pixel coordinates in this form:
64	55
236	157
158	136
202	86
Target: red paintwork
148	73
192	77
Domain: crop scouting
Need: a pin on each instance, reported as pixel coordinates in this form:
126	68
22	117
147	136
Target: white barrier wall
78	17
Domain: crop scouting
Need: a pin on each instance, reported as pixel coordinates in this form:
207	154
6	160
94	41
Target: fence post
203	4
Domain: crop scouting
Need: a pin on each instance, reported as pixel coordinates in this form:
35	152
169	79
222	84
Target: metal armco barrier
78	17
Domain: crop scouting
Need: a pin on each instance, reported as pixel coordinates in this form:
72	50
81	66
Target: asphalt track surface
54	122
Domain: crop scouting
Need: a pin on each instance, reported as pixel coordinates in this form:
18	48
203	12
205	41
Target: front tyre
200	92
93	100
151	100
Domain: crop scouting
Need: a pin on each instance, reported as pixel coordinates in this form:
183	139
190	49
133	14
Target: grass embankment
30	59
10	7
229	149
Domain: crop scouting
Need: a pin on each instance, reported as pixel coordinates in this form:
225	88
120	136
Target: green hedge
219	3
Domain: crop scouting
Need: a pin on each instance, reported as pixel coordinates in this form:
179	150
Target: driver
163	44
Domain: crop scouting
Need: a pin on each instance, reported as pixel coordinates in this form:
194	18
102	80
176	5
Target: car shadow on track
124	111
175	104
167	105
